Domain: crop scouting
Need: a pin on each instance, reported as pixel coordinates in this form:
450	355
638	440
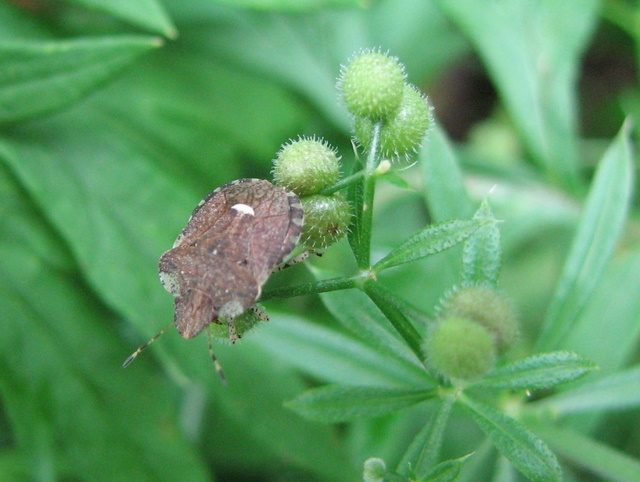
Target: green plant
460	350
114	127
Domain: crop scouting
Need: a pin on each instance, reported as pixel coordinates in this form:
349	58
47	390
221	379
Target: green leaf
446	471
479	467
482	251
525	451
538	372
290	49
337	403
155	128
596	238
619	391
58	352
504	470
117	177
357	312
533	54
251	406
591	455
424	450
13	465
16	23
355	234
444	189
333	356
147	14
40	77
398	312
292	5
394	178
445	194
613	313
431	240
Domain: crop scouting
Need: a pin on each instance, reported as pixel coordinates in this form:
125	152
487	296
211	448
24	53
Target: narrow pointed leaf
616	392
356	198
596	238
147	14
444	193
481	252
360	315
66	402
533	56
338	403
591	455
539	371
40	77
431	240
525	451
446	471
425	448
334	356
292	5
398	312
612	348
444	189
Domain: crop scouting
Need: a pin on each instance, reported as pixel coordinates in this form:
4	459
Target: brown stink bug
233	241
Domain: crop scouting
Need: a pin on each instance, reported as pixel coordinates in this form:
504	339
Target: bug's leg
260	312
214	359
142	347
233	333
297	259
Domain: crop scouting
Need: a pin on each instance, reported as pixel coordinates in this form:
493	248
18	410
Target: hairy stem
367	198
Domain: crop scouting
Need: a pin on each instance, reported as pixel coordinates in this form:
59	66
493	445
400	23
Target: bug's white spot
231	309
170	282
244	209
178	240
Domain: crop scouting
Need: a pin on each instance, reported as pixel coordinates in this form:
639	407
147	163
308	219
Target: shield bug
233	241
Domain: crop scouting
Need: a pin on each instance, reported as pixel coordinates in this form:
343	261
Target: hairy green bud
306	166
486	306
374	470
326	220
372	85
460	348
402	134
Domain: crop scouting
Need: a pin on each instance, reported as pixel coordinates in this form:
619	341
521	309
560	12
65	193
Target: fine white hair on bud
371	84
306	166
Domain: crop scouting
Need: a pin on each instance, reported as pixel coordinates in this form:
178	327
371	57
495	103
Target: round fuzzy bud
245	323
488	307
326	219
375	470
460	348
402	134
372	85
306	166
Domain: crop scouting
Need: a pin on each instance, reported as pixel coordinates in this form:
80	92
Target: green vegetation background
118	117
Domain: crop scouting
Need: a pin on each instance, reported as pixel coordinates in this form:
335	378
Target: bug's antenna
142	347
214	359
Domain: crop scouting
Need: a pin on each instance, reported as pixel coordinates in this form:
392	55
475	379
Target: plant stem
332	284
342	183
394	308
367	198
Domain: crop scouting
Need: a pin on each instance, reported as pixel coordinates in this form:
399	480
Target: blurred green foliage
116	118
